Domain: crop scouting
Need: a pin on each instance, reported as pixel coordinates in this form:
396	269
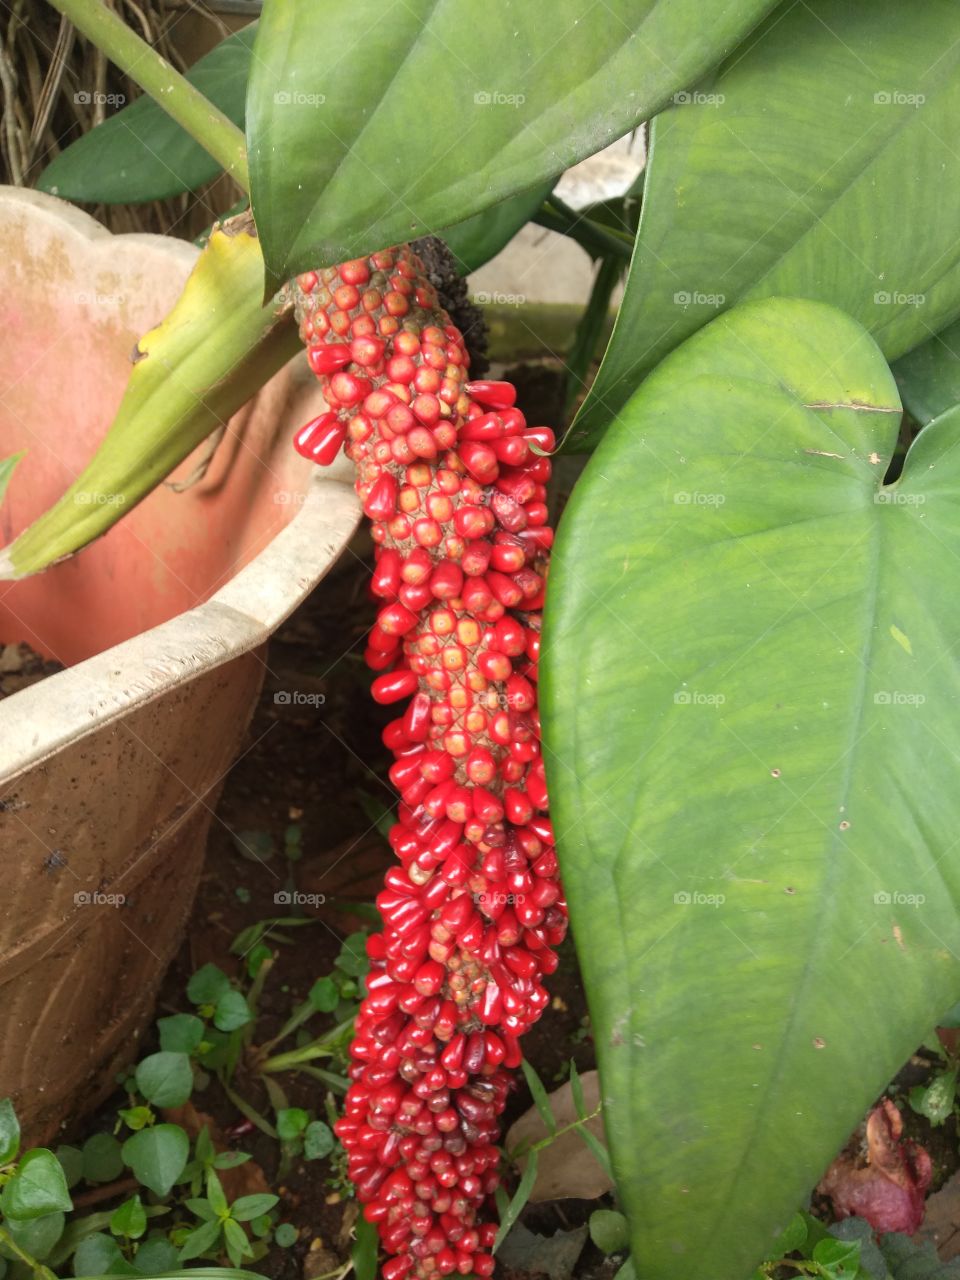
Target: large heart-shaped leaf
750	698
370	124
478	239
140	153
785	175
929	375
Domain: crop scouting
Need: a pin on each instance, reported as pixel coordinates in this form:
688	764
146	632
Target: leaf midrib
826	901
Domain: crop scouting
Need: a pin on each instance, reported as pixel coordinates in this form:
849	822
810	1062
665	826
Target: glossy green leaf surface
750	696
138	153
785	174
929	375
478	239
369	125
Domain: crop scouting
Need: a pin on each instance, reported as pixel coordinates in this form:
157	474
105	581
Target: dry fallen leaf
887	1184
567	1169
246	1179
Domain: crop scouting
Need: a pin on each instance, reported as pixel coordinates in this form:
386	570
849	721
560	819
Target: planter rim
43	718
40	720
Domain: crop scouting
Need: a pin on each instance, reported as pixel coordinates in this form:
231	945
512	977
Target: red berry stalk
454	481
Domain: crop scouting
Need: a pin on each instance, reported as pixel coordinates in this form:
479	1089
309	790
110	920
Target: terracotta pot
110	770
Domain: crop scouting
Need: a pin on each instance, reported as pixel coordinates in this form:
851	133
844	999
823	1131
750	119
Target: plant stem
598	240
319	1048
591	326
195	113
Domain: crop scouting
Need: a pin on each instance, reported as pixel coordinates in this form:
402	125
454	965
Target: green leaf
180	1033
353	959
519	1199
71	1162
102	1161
727	711
420	116
215	1193
838	1258
364	1252
238	1246
872	1265
908	1261
7	468
37	1187
230	1159
157	1156
323	995
201	1207
935	1101
9	1130
129	1219
609	1231
576	1091
540	1099
207	985
39	1236
291	1122
286	1235
232	1012
770	183
201	1241
165	1079
929	375
318	1140
246	1208
100	1255
794	1236
155	1257
135	1117
139	153
478	239
600	1152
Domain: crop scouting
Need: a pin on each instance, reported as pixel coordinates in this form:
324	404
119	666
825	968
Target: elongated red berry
322	439
454	483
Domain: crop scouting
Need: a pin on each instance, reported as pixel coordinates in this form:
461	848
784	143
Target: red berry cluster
454	481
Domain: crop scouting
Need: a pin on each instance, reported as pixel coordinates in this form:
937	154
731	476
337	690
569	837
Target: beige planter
110	770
